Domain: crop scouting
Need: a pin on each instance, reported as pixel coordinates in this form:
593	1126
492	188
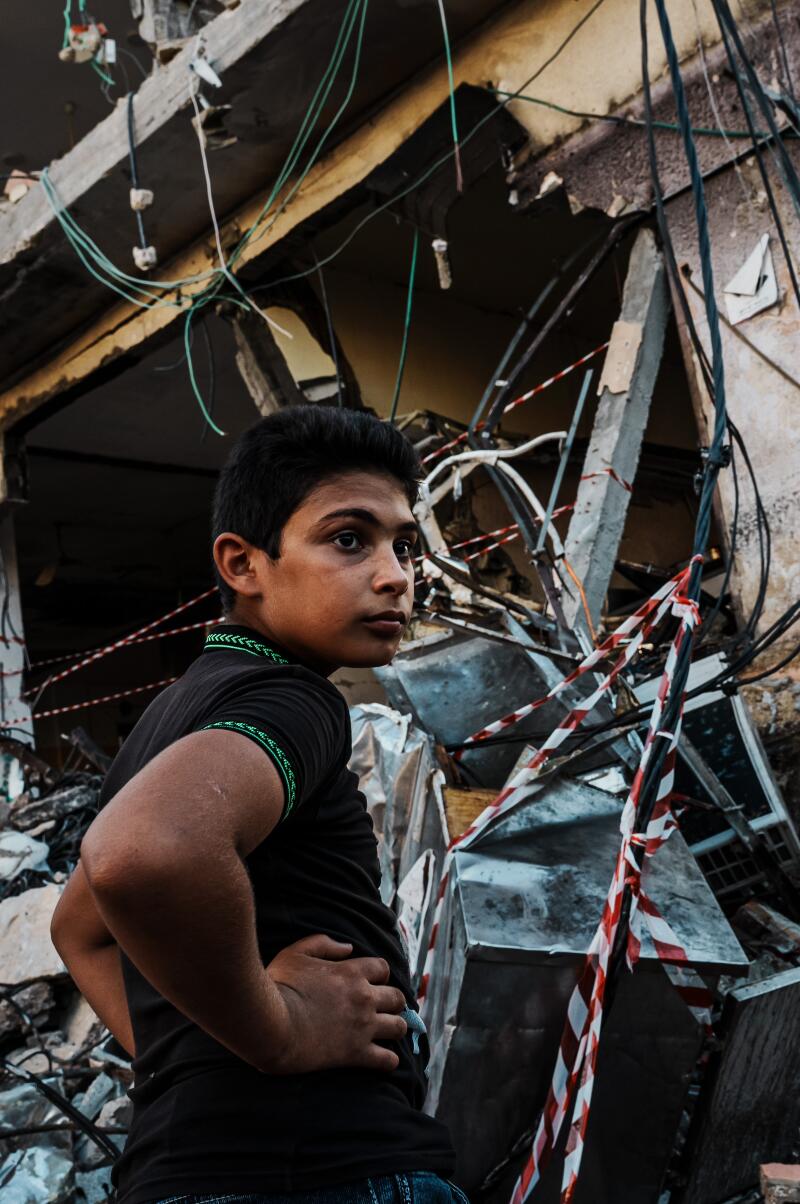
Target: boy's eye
404	549
348	540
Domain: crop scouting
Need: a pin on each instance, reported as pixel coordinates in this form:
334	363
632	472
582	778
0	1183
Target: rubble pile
498	771
64	1111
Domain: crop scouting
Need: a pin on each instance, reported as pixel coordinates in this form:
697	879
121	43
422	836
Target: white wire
497	458
209	193
207	174
492	455
533	501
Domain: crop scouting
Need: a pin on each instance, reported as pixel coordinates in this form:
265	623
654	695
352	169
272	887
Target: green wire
451	85
659	125
105	77
401	367
334	121
187	344
334	64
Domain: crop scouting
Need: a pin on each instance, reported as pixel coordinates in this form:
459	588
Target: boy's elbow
59	926
109	871
114	874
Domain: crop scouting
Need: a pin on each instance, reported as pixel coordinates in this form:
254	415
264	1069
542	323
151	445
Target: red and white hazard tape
513	528
92	702
641	622
126	639
145	639
609	472
644	619
518	401
573	1077
574	1074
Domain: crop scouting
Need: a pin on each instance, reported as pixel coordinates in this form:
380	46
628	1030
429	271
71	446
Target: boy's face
342	589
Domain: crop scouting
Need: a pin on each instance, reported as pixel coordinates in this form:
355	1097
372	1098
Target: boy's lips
386	622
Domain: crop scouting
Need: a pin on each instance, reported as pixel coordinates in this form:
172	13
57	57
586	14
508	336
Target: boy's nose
391	577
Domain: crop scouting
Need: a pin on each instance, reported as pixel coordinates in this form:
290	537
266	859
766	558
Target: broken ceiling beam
260	50
302	300
629	374
123	329
262	365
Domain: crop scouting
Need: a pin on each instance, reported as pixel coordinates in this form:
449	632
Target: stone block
35	1002
26	951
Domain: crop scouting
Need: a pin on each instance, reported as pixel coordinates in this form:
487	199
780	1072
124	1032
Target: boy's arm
164	861
92	957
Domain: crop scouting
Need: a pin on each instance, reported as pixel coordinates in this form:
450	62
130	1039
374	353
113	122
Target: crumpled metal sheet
395	764
526	902
457	684
37	1175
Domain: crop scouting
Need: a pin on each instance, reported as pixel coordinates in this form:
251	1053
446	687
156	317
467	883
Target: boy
225	919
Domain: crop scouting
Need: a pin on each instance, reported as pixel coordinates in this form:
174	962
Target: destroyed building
480	219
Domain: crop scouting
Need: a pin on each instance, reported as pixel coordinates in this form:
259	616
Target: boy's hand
336	1009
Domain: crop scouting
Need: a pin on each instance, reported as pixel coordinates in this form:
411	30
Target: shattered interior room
555	246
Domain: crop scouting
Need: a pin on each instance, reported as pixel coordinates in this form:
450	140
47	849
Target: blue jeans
415	1187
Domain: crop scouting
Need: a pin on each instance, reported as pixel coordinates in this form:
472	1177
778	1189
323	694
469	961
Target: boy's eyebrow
366	516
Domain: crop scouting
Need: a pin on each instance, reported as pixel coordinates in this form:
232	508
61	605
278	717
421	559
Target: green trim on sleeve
269	745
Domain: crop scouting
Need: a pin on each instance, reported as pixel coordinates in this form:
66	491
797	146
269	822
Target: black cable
598	259
764	535
765	103
784	56
729	35
672	267
329	323
212	376
523	327
55	1097
135	170
748	681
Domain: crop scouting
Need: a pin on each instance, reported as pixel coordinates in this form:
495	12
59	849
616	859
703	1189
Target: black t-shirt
204	1120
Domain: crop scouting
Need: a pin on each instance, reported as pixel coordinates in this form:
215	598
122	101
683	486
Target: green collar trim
231	642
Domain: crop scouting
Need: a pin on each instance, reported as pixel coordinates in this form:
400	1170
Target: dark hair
275	465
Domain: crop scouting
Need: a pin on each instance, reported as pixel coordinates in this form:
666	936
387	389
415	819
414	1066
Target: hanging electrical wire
401	367
732	41
452	90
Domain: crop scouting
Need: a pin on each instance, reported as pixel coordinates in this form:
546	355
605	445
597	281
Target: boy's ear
236	562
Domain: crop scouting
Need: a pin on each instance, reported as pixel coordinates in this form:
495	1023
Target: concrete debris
38	1175
93	1187
41	1057
26	951
20	851
47	1029
27	1008
27	811
780	1183
81	1025
22	1105
116	1113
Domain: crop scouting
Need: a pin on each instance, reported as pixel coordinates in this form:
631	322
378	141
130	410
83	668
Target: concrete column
13	710
629	375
